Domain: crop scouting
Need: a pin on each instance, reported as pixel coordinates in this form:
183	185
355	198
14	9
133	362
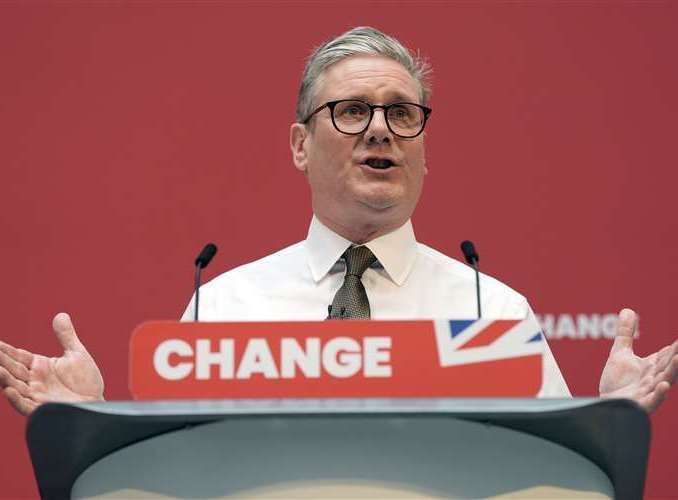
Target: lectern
339	448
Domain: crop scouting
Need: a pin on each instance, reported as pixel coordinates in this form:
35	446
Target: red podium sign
330	359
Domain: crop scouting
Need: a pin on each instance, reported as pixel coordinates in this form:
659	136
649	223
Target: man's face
347	193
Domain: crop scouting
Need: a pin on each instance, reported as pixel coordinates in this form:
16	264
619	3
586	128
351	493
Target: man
359	141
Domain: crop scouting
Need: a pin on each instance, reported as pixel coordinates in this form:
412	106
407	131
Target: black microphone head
206	255
469	251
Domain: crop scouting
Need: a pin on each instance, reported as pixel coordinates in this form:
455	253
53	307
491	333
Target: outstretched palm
645	380
30	379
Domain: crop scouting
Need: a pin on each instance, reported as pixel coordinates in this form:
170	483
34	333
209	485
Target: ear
424	158
298	144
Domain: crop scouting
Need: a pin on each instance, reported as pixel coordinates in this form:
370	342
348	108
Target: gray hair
360	40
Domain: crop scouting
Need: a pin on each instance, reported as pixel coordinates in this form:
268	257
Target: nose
377	132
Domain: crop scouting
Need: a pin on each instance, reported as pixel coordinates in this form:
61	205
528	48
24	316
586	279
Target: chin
379	194
381	203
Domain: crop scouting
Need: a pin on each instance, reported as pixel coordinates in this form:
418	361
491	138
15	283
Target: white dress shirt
409	281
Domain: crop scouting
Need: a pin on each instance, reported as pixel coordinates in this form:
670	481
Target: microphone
471	256
201	262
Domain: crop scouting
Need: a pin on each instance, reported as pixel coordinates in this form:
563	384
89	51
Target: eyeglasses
352	117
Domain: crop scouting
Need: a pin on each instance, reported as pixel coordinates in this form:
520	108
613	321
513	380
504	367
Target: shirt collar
396	251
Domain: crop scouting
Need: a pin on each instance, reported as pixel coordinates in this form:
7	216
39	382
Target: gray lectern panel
298	441
430	456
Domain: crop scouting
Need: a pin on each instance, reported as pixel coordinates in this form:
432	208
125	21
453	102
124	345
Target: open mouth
379	163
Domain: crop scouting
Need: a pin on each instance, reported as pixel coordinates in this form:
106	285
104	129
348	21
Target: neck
359	232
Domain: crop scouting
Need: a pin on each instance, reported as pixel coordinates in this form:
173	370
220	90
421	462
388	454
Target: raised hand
29	380
645	380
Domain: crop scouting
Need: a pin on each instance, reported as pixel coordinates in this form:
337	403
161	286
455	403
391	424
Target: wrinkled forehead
366	77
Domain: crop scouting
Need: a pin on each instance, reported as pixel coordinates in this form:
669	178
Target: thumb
626	329
63	327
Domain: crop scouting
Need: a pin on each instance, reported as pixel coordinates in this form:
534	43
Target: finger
6	380
65	332
670	373
20	355
626	328
669	354
23	405
655	398
14	367
662	357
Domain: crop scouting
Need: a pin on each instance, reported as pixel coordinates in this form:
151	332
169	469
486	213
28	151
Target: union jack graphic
462	342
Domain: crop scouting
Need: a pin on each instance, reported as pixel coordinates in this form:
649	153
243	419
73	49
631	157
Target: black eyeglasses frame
332	104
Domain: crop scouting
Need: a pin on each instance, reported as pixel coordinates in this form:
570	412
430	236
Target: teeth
378	163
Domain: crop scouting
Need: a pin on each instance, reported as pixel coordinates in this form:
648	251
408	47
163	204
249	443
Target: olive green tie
351	299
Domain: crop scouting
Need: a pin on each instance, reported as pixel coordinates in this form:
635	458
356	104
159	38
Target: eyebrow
396	97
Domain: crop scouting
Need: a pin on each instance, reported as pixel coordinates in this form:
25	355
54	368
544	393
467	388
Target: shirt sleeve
553	383
188	313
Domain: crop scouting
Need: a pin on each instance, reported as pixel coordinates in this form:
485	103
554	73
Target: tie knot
358	259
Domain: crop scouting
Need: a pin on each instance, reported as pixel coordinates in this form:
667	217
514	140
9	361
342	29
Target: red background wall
131	135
